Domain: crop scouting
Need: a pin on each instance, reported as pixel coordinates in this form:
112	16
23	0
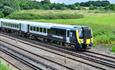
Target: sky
73	1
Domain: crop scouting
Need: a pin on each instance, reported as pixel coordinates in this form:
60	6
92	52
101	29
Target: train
69	36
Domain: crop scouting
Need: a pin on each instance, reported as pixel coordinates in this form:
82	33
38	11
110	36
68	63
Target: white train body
79	36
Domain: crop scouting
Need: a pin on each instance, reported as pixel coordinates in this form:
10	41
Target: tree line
9	6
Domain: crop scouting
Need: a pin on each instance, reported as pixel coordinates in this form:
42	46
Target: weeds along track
99	61
14	66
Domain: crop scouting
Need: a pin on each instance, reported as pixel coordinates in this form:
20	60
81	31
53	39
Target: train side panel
24	27
0	25
7	25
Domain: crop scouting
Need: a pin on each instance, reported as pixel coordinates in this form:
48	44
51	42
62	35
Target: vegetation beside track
101	22
113	48
3	66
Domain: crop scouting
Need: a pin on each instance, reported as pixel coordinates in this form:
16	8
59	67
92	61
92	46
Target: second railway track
102	62
35	65
29	58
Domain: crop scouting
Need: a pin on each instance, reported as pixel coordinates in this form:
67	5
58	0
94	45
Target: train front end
84	38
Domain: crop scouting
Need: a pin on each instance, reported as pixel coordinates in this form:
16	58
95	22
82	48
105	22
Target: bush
107	38
1	15
44	15
7	10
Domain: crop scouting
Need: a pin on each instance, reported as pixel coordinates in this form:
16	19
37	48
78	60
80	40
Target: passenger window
37	29
40	29
68	33
30	27
34	29
14	25
44	30
17	25
10	25
4	24
7	24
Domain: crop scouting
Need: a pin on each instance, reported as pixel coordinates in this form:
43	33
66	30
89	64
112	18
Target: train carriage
71	36
9	26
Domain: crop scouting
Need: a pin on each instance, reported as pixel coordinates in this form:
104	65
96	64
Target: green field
101	22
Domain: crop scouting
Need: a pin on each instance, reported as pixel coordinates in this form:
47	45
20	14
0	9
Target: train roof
43	24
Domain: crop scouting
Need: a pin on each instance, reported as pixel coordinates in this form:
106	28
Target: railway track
35	65
100	54
108	61
51	68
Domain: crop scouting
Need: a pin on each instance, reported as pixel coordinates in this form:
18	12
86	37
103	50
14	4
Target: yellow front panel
87	41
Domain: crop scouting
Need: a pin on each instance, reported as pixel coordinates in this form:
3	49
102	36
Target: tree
77	4
97	3
11	3
47	1
105	3
45	6
7	10
57	6
106	8
72	7
1	15
91	7
112	7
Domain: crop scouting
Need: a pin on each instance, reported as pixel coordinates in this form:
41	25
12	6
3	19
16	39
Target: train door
68	36
24	28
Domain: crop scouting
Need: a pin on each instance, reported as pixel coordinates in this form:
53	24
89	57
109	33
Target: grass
41	14
102	23
3	66
113	48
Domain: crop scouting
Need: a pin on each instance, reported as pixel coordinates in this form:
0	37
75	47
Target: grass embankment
102	24
3	66
43	14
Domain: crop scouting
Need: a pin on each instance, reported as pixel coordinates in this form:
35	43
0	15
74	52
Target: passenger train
69	36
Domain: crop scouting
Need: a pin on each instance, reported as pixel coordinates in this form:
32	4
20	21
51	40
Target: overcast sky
73	1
